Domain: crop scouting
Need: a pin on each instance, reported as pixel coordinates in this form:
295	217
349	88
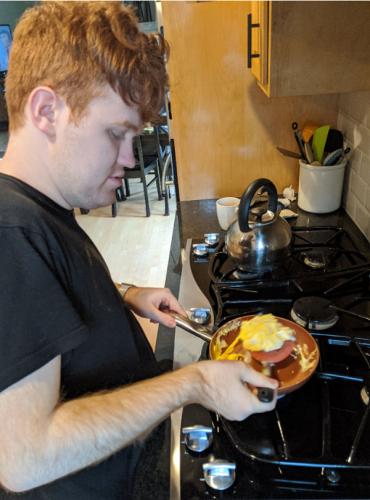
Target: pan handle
190	326
265	394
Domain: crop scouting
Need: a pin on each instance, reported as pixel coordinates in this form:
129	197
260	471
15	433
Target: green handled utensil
318	142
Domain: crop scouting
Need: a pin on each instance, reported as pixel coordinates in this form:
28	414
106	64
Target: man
73	398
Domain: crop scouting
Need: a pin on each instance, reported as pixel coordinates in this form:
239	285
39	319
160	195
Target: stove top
316	444
315	251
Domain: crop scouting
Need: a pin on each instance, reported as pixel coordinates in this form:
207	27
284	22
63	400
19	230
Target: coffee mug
227	209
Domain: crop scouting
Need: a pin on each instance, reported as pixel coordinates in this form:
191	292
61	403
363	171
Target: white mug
227	209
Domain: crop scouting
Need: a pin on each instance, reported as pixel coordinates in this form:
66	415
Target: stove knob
219	474
200	315
332	476
198	437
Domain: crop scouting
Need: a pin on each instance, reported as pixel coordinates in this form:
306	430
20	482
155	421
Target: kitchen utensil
319	141
308	131
333	157
320	188
345	152
226	209
309	153
299	140
286	152
259	238
291	373
334	140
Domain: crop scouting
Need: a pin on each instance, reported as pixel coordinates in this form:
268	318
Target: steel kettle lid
256	220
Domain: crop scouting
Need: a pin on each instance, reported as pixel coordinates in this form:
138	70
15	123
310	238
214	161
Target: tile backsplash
354	122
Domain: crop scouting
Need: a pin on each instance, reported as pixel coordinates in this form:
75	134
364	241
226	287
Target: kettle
259	239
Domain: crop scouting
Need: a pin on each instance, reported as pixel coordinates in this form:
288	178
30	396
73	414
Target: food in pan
263	337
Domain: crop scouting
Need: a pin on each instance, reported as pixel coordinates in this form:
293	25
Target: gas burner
315	259
365	395
314	313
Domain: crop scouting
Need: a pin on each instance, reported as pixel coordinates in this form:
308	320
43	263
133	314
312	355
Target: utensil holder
320	187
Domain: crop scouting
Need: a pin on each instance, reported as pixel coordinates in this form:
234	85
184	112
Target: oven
316	443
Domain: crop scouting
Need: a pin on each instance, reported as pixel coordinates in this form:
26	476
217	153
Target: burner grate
302	429
317	442
315	251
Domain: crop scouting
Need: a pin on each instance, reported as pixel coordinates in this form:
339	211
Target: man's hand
225	390
149	303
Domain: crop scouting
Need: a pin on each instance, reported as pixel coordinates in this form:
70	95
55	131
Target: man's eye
117	135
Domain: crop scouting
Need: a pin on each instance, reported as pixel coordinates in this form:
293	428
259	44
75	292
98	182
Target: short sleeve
38	319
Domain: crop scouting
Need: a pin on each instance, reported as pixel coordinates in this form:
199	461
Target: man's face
88	158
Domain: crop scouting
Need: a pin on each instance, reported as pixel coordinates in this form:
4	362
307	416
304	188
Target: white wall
354	122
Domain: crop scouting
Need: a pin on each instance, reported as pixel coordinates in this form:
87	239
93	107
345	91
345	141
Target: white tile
355	160
347	125
350	204
362	219
355	132
358	187
356	105
368	199
365	169
363	135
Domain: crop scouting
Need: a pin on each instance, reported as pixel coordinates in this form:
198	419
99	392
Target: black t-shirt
57	298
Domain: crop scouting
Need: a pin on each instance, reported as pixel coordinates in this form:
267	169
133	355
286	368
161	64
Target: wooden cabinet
309	47
224	128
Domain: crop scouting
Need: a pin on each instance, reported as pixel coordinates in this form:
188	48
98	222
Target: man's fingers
163	319
257	379
175	306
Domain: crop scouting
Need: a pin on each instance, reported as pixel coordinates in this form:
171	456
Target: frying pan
291	373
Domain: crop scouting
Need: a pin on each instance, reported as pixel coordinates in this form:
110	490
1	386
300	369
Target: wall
354	121
11	11
225	129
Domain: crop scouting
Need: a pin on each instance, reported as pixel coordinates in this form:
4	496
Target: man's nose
126	157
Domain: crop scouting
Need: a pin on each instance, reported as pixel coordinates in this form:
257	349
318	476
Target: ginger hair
76	48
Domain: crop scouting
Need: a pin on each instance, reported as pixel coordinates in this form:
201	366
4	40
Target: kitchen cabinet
225	130
308	48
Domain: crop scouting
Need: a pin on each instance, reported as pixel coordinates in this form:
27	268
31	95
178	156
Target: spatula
318	142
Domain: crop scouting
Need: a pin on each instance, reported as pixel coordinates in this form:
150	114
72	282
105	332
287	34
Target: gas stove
316	443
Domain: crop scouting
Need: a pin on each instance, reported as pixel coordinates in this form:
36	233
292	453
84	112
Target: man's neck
26	160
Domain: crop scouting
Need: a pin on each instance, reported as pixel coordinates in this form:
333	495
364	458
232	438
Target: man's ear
44	105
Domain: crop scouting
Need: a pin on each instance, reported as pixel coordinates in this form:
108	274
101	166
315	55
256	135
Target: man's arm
43	439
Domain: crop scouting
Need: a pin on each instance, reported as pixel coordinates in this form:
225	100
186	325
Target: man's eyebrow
129	125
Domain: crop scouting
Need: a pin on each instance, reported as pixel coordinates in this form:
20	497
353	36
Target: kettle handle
246	200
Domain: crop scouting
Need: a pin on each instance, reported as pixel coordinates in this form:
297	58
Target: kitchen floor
136	248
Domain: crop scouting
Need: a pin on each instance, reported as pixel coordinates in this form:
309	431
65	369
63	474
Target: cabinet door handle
249	34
